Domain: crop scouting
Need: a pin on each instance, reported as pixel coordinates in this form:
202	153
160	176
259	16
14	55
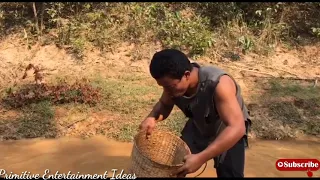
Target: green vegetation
193	27
283	88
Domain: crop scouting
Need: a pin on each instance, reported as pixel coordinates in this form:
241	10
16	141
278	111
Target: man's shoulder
211	68
211	73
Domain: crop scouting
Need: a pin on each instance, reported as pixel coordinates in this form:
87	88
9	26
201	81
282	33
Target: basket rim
161	131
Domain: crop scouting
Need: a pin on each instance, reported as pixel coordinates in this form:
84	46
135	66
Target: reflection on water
98	155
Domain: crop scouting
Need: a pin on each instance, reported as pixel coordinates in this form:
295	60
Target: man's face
175	87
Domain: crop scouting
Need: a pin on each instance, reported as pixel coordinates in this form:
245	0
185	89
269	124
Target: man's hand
161	110
192	163
148	125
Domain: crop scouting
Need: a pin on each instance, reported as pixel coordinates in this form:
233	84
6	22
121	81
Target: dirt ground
303	63
98	154
122	65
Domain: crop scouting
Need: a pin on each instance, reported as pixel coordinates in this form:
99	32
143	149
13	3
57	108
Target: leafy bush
176	31
188	26
174	28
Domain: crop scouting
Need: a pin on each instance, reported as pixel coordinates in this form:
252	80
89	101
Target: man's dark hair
169	62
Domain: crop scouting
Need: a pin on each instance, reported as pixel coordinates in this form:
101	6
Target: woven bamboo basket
159	155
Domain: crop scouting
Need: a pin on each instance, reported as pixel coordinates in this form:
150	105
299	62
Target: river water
98	155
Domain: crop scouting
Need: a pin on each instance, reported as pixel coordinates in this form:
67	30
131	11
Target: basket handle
205	166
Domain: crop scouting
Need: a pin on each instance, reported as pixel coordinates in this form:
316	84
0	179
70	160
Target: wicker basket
158	156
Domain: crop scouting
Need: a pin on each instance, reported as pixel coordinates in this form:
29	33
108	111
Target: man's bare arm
162	108
231	114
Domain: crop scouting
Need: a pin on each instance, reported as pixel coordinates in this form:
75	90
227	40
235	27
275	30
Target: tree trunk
36	19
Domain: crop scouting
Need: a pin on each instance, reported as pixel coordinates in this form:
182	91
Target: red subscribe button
297	164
